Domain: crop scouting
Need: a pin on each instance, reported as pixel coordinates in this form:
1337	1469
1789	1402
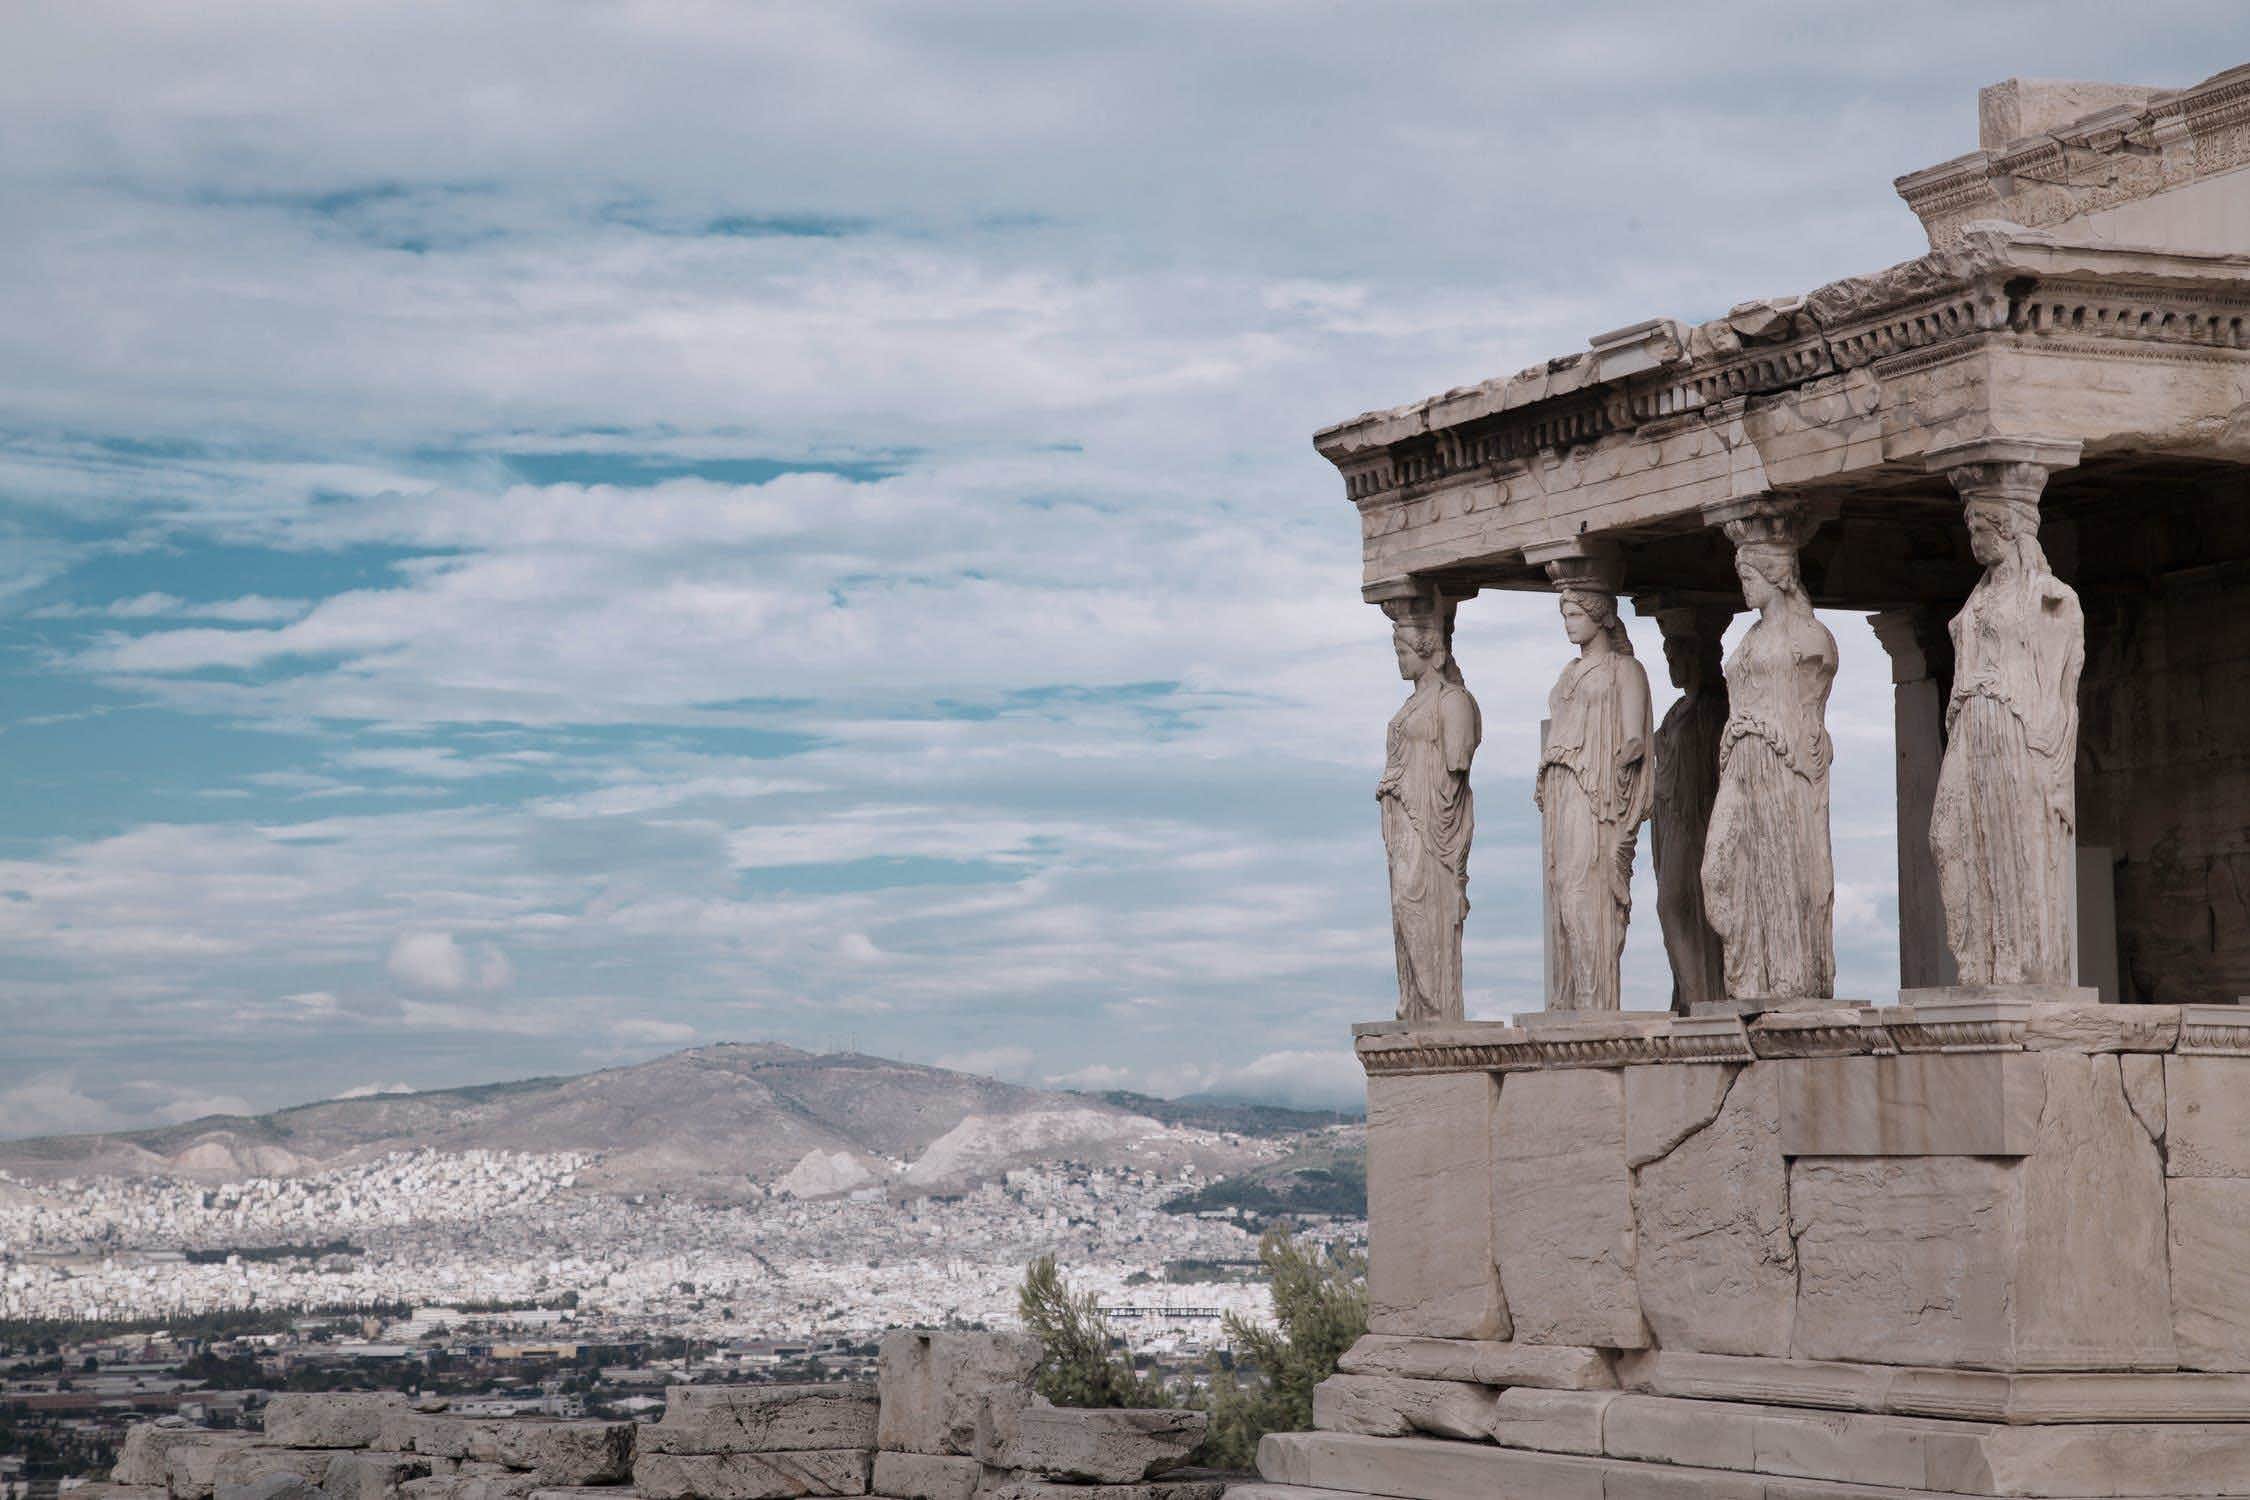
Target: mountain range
717	1122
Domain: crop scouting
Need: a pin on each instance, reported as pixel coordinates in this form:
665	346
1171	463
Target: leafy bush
1320	1310
1081	1364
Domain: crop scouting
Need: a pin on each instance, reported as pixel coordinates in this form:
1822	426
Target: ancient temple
1992	1238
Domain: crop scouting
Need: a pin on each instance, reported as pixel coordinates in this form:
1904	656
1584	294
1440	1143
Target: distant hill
717	1121
1224	1112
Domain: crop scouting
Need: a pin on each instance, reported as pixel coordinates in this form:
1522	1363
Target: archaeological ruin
1990	1239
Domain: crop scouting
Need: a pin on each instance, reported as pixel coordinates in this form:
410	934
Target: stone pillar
1920	655
2003	822
1687	779
1595	781
1769	879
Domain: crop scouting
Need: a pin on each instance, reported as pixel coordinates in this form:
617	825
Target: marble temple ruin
1993	1238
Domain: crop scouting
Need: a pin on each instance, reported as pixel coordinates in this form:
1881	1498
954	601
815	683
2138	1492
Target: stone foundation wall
951	1416
2004	1186
1983	1245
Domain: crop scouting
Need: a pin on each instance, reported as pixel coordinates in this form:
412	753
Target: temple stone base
1991	1243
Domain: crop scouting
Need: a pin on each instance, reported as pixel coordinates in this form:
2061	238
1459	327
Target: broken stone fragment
271	1487
191	1468
140	1464
558	1453
936	1384
1478	1361
374	1476
484	1482
1088	1445
1163	1489
297	1419
752	1476
568	1453
1391	1406
254	1461
926	1476
763	1419
1764	318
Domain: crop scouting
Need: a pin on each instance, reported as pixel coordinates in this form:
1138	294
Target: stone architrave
2004	825
1769	882
1428	812
1594	789
1687	781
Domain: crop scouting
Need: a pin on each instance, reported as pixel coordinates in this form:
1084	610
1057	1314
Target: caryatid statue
1594	790
1769	882
1428	814
1687	782
2004	824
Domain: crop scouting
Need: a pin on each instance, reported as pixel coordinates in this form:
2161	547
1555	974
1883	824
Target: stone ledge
2013	1399
1949	1021
1745	1451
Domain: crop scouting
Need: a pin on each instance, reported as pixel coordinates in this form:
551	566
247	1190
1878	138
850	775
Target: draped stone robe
1428	818
2004	826
1769	882
1687	782
1591	809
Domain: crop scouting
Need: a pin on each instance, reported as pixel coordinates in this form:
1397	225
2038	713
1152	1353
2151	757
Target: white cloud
434	961
51	1104
429	961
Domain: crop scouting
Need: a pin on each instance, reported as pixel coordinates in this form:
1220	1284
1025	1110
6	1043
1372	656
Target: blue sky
535	535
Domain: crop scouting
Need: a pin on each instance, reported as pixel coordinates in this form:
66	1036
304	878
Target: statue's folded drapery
1594	790
1769	881
2003	826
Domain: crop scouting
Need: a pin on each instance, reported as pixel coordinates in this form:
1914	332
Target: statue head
1420	647
1768	571
1422	636
2001	528
1588	614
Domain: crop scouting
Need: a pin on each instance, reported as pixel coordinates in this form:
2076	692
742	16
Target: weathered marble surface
1769	883
1395	1406
1563	1210
1430	1185
2004	825
1481	1361
1717	1266
1594	789
1429	813
763	1419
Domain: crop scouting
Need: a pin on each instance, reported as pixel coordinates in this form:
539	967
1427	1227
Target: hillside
714	1122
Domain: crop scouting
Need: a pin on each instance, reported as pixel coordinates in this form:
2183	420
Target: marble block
1717	1266
1563	1210
1430	1265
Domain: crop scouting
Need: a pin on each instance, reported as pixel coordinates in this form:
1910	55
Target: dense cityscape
496	1277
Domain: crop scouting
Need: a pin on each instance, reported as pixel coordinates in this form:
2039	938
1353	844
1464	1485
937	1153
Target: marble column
2004	818
1428	813
1687	781
1921	654
1595	781
1769	880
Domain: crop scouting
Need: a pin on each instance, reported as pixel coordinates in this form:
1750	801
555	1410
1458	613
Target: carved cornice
1995	290
2113	156
2220	1030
